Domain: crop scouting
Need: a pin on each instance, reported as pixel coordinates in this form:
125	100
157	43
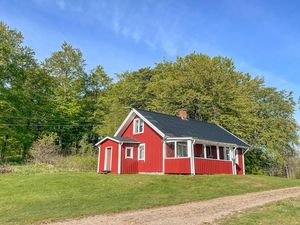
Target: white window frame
131	153
175	150
138	121
187	151
139	156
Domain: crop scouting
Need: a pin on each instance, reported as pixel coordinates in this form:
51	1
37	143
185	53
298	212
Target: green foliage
44	149
77	163
23	94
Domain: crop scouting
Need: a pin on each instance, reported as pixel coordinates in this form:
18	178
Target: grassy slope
33	198
278	213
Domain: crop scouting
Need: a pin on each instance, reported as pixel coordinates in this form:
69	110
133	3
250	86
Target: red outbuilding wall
114	163
153	148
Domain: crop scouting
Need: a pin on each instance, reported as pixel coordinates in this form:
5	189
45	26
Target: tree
23	93
67	67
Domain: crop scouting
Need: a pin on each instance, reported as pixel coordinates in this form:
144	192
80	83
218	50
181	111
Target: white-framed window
227	153
138	126
170	150
141	152
182	150
176	149
128	152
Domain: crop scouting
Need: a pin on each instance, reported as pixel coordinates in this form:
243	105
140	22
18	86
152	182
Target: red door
107	163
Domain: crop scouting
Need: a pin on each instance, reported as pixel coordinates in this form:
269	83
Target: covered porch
195	156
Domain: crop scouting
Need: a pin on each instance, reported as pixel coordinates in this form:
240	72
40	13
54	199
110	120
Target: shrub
44	150
77	163
86	148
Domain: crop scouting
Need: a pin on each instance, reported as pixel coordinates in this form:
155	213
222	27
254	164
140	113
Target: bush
86	148
5	169
44	150
77	163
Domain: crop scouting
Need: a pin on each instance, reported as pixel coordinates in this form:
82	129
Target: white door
107	162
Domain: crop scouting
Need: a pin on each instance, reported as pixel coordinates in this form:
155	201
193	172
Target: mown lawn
278	213
32	198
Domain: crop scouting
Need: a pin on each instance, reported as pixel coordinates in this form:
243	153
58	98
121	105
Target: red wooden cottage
151	142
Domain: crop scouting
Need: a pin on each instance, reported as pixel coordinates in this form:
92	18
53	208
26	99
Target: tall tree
67	67
23	93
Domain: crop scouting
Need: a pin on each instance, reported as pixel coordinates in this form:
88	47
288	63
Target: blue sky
262	37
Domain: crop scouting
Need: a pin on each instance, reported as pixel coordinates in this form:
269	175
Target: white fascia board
104	139
234	135
130	117
113	139
125	123
201	141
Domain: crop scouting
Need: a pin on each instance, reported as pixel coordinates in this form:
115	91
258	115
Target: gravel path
190	213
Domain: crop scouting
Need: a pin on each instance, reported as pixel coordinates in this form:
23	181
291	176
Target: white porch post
164	155
191	154
204	151
243	155
233	160
218	152
119	157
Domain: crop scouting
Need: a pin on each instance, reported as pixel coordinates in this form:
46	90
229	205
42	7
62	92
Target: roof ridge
196	120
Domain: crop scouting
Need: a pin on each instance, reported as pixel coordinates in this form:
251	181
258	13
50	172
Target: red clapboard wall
209	166
182	166
129	165
153	148
114	157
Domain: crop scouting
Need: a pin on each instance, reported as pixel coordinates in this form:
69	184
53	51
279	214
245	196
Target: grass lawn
32	198
282	212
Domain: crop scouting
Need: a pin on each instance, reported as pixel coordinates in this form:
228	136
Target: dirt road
190	213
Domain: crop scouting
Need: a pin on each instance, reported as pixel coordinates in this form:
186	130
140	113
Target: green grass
282	212
32	198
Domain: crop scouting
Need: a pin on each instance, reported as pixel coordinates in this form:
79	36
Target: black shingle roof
174	126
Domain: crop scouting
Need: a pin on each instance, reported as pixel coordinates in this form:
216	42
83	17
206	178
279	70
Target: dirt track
190	213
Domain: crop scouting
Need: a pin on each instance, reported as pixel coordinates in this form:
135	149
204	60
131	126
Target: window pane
142	152
182	149
227	154
141	126
129	152
208	152
136	125
170	150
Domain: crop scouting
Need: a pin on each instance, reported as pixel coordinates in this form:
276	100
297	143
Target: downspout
119	157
